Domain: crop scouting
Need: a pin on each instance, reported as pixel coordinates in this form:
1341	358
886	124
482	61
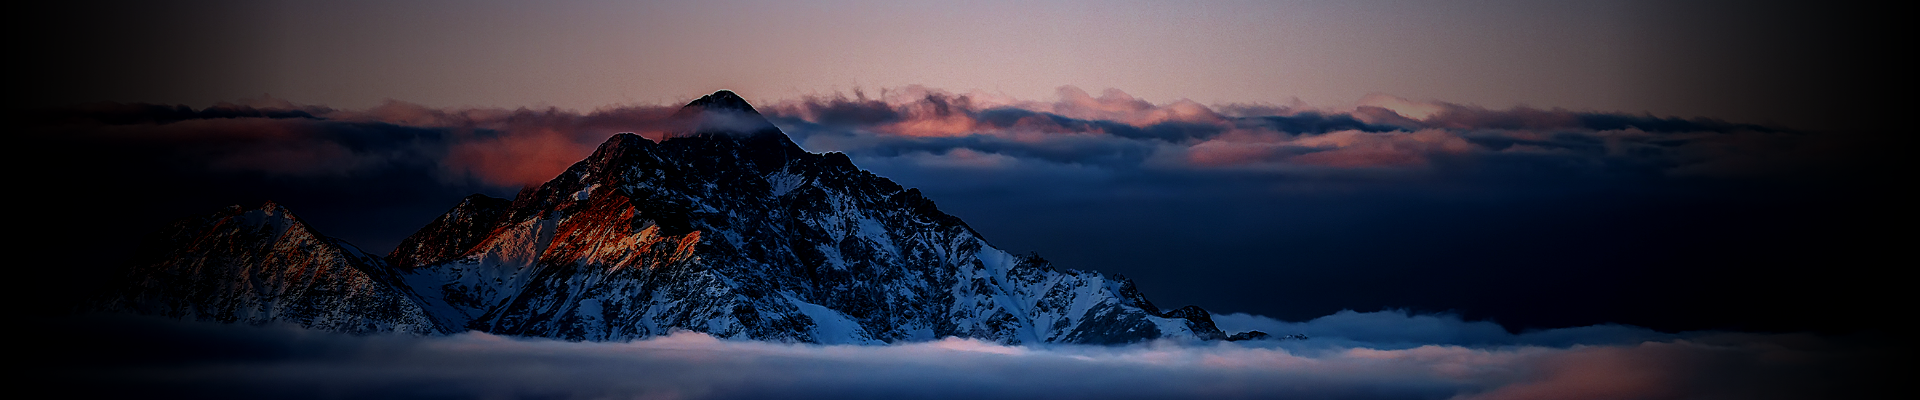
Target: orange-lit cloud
521	146
525	157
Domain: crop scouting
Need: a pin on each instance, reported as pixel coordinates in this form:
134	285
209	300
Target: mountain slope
265	265
732	230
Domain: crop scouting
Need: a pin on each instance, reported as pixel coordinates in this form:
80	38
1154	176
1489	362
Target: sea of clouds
1348	355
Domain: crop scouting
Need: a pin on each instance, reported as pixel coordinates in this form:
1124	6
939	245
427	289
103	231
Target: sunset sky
1748	61
1675	166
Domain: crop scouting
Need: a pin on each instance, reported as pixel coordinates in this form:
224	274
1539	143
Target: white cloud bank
1424	360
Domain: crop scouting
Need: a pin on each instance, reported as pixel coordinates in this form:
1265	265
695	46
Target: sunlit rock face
730	229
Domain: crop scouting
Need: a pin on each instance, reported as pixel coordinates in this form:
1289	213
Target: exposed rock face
453	233
733	230
264	265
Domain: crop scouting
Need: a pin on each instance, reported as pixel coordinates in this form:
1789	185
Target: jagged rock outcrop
453	233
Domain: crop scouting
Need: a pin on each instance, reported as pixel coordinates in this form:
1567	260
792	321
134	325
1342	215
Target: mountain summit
722	100
729	229
726	114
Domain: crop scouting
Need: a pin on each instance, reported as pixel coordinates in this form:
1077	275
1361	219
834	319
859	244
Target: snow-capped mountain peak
733	230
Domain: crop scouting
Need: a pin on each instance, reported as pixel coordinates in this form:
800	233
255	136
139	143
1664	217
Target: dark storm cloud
223	361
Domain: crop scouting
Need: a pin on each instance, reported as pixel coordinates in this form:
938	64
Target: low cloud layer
1399	329
147	357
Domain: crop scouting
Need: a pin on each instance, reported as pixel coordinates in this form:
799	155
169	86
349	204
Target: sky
1757	62
1669	168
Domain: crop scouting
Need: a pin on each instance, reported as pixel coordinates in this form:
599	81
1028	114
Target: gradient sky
1757	115
1755	62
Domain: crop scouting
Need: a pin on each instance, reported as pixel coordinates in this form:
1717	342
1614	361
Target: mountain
724	227
265	265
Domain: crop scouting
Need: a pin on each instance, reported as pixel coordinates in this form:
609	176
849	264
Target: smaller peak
721	100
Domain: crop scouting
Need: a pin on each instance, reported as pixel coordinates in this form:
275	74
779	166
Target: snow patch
995	263
590	313
783	182
585	193
871	230
832	255
832	327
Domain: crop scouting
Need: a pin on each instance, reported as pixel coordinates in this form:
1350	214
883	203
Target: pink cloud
1415	110
1115	105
